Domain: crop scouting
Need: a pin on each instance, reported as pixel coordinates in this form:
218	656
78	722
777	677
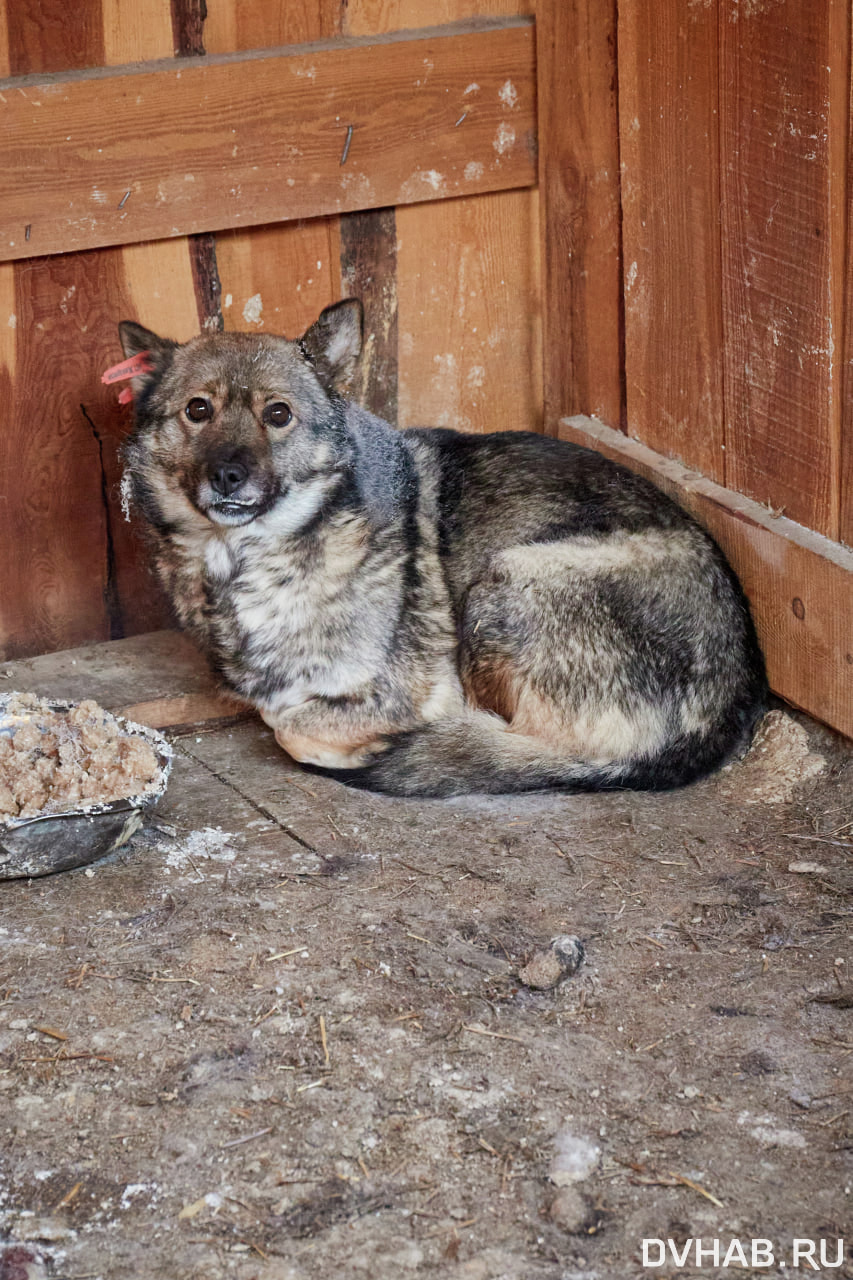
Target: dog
425	612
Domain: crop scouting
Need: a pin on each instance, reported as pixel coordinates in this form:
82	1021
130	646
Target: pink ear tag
140	363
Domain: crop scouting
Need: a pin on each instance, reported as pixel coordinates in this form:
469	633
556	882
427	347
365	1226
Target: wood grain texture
580	218
780	252
367	17
669	141
467	296
799	585
233	24
278	279
208	143
53	586
843	169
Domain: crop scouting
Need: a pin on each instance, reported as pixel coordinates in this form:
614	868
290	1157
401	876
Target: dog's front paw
326	753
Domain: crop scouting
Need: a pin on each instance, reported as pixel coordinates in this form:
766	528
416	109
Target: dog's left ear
333	343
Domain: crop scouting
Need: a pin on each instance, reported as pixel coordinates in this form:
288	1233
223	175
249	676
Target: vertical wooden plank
669	140
55	558
580	218
369	272
278	278
780	253
41	38
843	178
468	314
467	290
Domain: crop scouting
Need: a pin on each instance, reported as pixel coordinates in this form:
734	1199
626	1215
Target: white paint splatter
508	94
631	276
504	138
13	321
472	88
473	171
253	308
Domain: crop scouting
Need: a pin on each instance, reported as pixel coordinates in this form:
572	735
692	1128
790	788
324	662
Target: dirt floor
293	1031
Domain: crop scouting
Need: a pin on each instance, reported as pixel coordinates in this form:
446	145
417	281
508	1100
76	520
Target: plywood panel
579	193
782	233
800	585
216	144
468	310
669	141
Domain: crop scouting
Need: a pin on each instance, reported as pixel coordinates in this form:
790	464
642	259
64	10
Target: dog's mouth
230	511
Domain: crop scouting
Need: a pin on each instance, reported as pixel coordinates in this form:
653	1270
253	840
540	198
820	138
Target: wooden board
579	195
844	166
467	315
669	145
250	139
800	585
784	76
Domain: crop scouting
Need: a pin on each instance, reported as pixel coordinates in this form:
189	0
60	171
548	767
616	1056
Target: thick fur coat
426	612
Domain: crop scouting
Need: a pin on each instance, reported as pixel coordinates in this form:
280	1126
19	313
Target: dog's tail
476	753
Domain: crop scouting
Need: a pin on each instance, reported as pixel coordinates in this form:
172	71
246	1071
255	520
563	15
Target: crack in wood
111	595
255	804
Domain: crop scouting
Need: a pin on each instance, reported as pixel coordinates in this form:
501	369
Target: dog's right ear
136	341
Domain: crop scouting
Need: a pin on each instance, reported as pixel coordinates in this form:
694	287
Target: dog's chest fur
284	618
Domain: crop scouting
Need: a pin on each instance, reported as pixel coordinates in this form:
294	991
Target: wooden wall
698	295
450	288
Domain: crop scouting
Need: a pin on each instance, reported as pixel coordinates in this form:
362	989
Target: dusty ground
283	1034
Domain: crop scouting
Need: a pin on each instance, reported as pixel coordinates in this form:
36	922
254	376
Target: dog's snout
226	477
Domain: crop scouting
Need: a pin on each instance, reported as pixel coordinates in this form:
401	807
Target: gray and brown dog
425	612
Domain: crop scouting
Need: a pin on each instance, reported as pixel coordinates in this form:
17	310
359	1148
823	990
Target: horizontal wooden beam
799	584
120	155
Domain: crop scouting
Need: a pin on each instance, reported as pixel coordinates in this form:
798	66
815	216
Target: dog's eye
199	410
277	414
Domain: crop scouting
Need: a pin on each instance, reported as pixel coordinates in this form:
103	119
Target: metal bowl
50	842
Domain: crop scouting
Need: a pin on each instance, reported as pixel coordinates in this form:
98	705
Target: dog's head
229	425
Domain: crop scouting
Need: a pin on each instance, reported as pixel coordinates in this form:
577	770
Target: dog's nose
227	477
